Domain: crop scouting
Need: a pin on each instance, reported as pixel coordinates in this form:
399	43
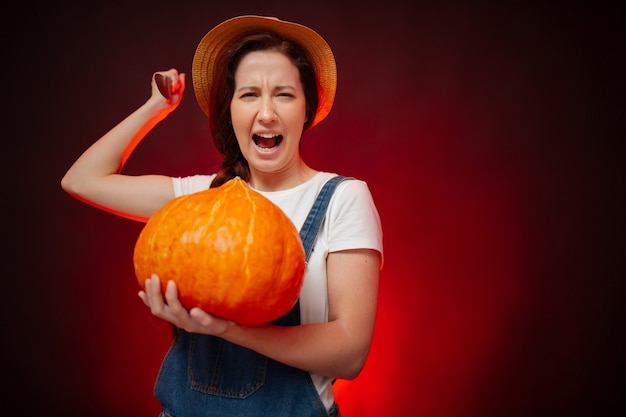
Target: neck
284	180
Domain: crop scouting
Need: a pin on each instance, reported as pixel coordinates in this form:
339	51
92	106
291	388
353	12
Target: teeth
267	135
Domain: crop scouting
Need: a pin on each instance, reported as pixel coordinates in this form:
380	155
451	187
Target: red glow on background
454	277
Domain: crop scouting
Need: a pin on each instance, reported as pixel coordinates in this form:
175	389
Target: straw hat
221	36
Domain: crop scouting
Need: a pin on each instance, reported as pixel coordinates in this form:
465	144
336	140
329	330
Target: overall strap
313	222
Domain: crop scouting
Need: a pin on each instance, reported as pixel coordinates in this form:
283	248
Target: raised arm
96	178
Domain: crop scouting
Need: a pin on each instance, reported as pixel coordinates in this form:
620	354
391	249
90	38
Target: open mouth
267	141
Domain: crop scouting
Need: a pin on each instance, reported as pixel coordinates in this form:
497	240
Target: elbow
352	351
74	187
352	366
73	183
69	184
349	376
66	183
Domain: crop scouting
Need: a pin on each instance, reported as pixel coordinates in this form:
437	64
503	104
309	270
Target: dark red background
484	132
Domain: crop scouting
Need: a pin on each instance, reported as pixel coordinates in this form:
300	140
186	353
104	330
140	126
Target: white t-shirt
352	222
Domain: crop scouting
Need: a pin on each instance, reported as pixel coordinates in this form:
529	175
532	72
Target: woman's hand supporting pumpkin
168	307
337	348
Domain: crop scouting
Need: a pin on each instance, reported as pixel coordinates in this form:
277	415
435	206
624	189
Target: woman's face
268	111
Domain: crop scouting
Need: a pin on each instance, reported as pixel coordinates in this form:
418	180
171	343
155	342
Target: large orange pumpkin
230	251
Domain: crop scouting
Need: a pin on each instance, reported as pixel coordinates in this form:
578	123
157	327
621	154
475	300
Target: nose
267	110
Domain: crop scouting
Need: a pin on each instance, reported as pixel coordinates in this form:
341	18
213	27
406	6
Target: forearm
108	154
322	348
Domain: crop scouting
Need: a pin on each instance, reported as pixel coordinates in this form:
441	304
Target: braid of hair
233	165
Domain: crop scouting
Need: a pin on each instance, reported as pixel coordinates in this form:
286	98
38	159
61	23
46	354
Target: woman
262	82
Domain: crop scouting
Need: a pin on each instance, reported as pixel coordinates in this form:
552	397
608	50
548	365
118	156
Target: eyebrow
277	88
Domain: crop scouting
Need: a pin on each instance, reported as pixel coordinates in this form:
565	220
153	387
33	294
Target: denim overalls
206	376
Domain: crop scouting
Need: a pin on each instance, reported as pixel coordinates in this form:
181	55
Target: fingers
179	84
210	324
170	84
169	307
173	302
165	305
152	295
144	298
158	302
164	84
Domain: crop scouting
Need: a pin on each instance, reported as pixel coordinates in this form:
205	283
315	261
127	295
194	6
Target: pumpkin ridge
249	236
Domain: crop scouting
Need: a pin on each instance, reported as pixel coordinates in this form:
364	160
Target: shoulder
352	188
346	182
353	221
353	199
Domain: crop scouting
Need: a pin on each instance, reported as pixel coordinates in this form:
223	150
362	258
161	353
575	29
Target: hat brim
221	36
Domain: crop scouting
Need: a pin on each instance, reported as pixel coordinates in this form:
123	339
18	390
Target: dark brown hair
233	163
